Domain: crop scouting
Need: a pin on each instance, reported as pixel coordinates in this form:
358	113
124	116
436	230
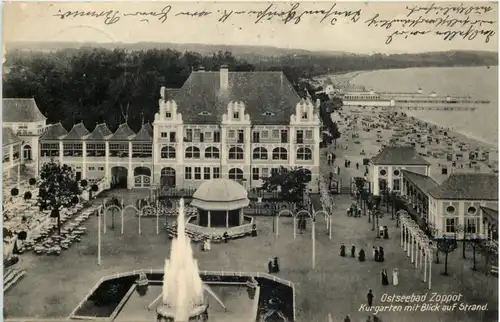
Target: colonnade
418	247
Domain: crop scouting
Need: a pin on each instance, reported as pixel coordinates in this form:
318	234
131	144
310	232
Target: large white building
236	125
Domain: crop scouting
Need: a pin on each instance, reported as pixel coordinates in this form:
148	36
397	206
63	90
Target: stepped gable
468	186
269	97
9	137
399	155
54	132
123	133
143	135
77	133
100	133
21	110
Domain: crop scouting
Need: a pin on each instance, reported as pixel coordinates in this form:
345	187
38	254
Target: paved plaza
54	286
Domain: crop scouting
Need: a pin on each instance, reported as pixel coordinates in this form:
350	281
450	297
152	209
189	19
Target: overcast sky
39	22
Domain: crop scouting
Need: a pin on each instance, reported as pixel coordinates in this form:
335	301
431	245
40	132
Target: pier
435	108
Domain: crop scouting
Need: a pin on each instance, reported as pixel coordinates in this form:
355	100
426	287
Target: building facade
387	168
235	125
25	124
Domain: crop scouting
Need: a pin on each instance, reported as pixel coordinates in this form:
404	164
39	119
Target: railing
231	231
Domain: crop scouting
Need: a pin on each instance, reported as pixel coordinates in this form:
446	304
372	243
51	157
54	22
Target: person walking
353	251
370	297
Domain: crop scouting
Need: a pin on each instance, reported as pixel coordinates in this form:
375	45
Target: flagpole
98	238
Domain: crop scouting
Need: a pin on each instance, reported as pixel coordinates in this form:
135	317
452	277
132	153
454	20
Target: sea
477	82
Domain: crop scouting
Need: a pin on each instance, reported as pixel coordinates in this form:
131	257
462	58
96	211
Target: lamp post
98	237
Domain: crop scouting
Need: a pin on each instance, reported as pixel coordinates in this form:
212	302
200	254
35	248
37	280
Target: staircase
10	277
345	190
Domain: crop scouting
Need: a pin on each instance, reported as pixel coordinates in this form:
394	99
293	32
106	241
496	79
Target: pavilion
220	203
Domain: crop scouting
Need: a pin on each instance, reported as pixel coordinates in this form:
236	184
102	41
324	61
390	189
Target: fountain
182	295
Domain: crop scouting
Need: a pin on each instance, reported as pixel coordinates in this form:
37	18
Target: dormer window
168	115
304	115
268	114
236	115
204	113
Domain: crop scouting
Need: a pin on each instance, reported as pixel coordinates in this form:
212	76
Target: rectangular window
471	225
276	134
265	134
189	135
309	134
236	115
256	137
206	173
208	135
216	172
142	150
164	134
100	168
284	136
6	157
96	149
119	150
197	173
396	184
196	134
168	115
231	134
172	137
217	137
265	172
255	174
49	149
304	115
450	225
188	174
72	149
91	168
299	136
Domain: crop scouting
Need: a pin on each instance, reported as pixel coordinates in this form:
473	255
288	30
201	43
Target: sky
38	22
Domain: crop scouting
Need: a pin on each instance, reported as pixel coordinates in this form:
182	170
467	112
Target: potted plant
94	188
84	183
27	195
32	181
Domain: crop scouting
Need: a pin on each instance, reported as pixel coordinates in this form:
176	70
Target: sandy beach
365	130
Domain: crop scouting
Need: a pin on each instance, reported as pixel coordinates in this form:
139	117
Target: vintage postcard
250	161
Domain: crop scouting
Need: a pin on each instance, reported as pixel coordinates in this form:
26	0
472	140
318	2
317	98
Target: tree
109	202
291	183
14	192
84	183
32	181
57	188
446	245
27	195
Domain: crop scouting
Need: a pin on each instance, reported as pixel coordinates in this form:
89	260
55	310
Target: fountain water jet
182	294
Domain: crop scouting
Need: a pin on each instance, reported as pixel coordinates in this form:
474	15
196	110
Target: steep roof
22	110
9	137
171	93
123	133
468	186
54	132
492	212
149	128
143	135
399	155
425	183
77	132
100	132
201	99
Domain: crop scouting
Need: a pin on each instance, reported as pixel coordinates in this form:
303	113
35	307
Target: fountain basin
167	314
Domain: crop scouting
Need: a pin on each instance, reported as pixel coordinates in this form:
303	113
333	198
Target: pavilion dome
220	194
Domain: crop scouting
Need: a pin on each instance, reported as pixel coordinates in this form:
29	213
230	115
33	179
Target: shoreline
472	138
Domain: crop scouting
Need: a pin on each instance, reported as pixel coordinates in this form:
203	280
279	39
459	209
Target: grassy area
54	286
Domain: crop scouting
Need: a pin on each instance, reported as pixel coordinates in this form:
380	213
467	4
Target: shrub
94	188
27	195
14	192
75	199
32	181
84	183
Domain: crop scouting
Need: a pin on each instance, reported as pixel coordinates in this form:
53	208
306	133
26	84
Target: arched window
212	153
260	153
235	153
27	152
236	174
192	152
167	152
304	154
280	154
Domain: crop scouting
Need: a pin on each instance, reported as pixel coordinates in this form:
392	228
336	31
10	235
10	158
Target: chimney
224	77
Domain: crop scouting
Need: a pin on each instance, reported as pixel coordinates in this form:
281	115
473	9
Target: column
408	251
417	247
425	266
130	176
179	171
227	219
292	150
405	239
223	152
61	152
11	154
401	229
84	160
247	156
208	220
412	251
241	217
430	271
106	160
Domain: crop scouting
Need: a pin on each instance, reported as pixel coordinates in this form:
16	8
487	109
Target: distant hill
204	49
